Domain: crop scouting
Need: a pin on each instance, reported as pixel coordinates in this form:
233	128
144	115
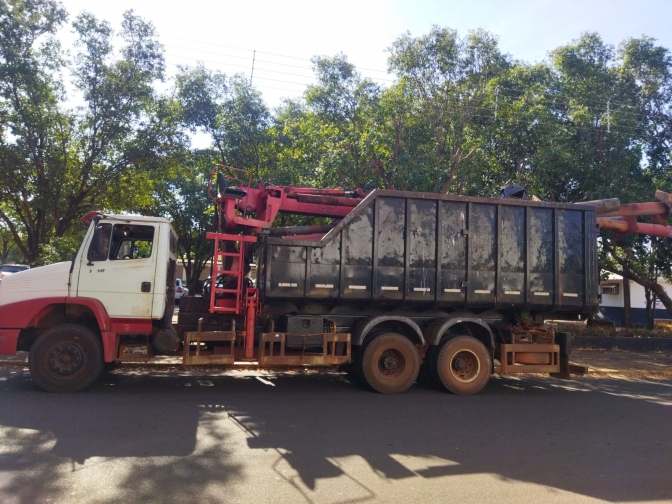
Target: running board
272	351
200	356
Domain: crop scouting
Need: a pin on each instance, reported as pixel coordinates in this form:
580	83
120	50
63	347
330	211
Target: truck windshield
121	241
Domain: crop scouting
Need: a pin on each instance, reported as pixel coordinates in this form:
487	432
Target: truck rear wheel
390	363
462	365
66	358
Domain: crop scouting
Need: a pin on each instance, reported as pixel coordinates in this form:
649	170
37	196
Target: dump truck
385	283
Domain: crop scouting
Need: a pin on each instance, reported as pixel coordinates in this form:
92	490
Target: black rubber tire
430	360
353	370
462	365
395	351
73	348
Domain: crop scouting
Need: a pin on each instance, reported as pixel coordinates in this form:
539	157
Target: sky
285	34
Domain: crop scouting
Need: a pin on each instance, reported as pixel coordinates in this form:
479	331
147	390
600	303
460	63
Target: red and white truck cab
70	314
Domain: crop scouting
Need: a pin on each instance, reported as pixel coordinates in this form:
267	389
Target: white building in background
611	305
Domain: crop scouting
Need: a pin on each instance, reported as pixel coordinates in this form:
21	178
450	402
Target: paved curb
633	373
620	343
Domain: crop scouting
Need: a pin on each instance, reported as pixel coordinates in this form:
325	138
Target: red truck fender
28	313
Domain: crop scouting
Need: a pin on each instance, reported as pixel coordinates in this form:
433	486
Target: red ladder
236	251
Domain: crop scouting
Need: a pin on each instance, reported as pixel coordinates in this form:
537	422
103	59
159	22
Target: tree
340	110
643	260
56	163
6	244
518	145
650	67
597	110
182	197
448	77
294	136
230	111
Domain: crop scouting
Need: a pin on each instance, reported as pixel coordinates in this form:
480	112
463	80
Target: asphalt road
240	437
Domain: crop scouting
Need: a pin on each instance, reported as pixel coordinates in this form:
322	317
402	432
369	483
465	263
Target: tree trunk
650	307
627	319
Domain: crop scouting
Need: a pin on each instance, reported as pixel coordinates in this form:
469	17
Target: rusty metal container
423	250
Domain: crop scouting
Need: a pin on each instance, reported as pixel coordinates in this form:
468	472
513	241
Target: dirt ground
617	362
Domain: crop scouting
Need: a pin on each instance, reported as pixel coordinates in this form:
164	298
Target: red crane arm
251	209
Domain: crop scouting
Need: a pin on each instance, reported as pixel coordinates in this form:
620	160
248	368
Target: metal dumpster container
425	250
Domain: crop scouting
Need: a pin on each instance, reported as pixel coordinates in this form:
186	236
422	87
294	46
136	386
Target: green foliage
7	246
591	122
230	111
61	248
56	163
181	196
447	79
328	139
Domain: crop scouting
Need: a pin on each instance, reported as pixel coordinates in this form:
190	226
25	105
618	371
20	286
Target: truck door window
100	244
131	241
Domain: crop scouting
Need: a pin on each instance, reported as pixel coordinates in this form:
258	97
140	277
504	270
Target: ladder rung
228	254
226	290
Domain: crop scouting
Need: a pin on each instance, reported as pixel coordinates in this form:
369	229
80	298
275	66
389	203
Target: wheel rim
391	363
465	366
65	359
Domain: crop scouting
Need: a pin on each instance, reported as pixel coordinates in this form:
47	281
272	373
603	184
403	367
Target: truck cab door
119	269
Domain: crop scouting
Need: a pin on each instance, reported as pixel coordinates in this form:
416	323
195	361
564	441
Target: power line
256	60
221	63
523	93
485	110
260	85
515	90
224	63
262	52
246	58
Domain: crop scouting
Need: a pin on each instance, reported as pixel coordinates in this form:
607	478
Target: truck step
199	355
273	352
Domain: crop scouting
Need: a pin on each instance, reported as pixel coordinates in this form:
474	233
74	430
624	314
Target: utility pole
254	56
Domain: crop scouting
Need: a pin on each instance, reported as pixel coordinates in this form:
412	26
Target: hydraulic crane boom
252	209
245	210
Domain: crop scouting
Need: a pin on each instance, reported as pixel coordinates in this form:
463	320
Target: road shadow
110	421
609	439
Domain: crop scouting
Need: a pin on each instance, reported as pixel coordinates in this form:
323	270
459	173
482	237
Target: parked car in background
8	269
231	284
207	285
180	289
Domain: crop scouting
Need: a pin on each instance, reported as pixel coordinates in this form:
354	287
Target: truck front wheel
462	365
390	363
66	358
